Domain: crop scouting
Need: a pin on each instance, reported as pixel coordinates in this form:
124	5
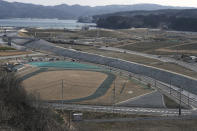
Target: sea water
44	23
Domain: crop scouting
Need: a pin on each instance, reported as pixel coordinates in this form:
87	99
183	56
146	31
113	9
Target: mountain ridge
64	11
172	19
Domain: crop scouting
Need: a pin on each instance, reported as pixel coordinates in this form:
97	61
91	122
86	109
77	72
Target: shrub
18	110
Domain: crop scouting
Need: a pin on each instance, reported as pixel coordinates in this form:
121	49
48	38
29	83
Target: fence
175	93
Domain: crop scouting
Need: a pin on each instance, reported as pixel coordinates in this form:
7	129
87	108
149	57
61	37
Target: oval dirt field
75	83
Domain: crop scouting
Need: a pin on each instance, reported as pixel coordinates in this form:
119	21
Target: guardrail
167	89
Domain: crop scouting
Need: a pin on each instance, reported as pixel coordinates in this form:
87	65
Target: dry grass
124	56
124	90
177	51
147	61
176	68
138	59
12	53
26	70
151	125
77	84
153	42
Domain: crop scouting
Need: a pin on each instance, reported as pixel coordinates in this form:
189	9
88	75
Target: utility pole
98	33
62	93
9	41
5	32
114	94
70	117
188	99
180	102
170	86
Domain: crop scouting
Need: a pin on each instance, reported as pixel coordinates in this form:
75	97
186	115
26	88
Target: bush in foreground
17	109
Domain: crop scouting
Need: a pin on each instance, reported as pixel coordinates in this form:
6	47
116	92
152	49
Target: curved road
191	66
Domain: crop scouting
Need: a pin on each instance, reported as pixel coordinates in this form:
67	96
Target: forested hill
181	20
64	11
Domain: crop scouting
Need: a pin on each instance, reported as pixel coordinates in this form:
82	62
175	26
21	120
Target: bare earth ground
135	58
177	51
77	84
147	61
26	70
136	125
142	40
12	53
139	39
124	89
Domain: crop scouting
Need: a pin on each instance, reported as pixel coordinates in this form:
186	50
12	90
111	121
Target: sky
184	3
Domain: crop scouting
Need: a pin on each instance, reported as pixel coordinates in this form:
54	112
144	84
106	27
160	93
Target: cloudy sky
188	3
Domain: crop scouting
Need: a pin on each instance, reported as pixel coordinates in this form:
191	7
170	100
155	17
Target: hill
21	111
173	19
21	10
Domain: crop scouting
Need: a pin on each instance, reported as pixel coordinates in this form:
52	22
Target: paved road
127	110
186	97
50	47
116	109
141	119
191	66
154	99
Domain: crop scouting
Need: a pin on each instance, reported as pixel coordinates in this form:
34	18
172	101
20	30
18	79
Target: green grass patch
6	48
66	65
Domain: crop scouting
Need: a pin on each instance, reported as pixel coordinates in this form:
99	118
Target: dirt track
124	89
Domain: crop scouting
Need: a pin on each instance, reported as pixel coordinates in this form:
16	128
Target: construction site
134	73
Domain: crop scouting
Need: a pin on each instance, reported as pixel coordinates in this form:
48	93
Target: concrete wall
186	83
